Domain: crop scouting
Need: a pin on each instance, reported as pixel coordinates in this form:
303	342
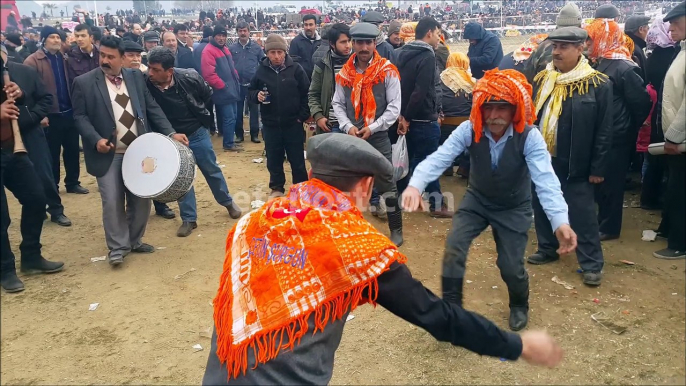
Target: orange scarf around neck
362	95
309	252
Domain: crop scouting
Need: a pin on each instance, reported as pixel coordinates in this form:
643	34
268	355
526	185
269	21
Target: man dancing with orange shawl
296	267
366	103
631	106
506	154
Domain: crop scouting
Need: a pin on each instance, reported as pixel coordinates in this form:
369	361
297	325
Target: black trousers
609	195
510	232
674	214
652	186
284	140
39	154
62	134
19	177
583	220
253	108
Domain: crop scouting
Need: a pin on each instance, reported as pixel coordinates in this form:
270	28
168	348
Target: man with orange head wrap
631	106
507	153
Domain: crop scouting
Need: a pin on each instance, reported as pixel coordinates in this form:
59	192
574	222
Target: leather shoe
166	213
115	260
11	283
41	266
397	237
540	258
239	140
442	213
234	211
77	189
144	248
606	237
592	278
255	140
519	317
61	220
186	228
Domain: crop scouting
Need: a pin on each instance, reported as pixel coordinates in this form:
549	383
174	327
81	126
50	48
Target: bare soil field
158	306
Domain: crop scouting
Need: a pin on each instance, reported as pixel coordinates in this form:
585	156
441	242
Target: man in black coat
636	28
305	45
23	99
485	50
280	85
112	107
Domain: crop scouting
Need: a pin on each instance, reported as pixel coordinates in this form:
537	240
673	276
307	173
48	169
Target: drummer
182	95
111	109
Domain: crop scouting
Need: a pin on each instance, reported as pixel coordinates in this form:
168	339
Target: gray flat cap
151	36
372	17
568	35
678	11
635	22
130	46
342	155
362	31
606	11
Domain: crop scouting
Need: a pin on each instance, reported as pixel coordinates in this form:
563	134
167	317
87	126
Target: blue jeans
226	123
201	146
422	140
254	115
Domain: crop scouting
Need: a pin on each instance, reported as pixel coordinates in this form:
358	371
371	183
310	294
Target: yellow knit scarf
554	87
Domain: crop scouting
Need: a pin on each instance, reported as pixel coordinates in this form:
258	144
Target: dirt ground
157	307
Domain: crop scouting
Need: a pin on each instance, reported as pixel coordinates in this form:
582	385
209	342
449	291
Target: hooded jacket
418	76
301	50
486	54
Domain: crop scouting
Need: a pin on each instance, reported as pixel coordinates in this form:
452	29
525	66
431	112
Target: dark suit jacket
95	120
35	102
184	57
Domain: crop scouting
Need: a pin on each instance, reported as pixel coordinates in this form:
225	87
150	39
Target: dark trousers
609	195
674	214
62	134
422	140
159	206
510	232
254	115
19	177
210	108
39	154
582	218
651	189
288	140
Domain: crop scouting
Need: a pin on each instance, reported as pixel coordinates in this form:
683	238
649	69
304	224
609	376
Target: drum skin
158	167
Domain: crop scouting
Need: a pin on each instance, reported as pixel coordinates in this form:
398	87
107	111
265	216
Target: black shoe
11	283
234	210
234	148
519	318
77	189
519	304
166	213
606	237
540	258
144	248
61	220
239	140
186	228
115	261
397	237
41	266
255	140
452	290
592	278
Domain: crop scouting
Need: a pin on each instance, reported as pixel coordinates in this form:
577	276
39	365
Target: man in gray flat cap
636	28
606	11
383	47
578	133
313	342
367	108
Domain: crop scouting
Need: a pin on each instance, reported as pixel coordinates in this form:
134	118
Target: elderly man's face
132	60
643	31
566	55
497	116
276	57
137	29
169	41
53	43
150	45
220	39
677	28
395	38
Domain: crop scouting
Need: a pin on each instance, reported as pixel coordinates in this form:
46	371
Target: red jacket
643	140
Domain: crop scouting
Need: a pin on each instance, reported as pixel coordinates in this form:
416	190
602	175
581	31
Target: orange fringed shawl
506	85
309	252
362	96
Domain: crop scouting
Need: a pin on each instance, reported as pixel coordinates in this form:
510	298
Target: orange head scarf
630	45
608	40
506	85
459	60
456	74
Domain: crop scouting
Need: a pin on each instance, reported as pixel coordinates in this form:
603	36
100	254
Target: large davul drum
158	167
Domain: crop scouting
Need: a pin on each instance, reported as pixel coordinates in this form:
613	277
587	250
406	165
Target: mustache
496	121
105	65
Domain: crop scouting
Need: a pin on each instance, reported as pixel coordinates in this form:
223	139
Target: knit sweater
57	64
674	99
